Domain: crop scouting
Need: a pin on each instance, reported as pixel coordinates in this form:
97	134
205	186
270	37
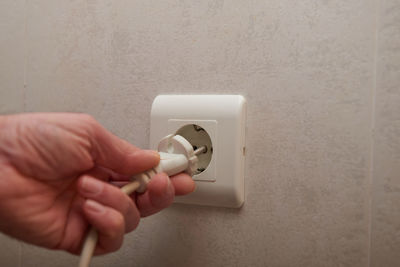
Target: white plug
176	156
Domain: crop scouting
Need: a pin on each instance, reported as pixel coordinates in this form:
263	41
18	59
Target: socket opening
198	137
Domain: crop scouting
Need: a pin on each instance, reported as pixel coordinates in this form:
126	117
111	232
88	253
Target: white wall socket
217	121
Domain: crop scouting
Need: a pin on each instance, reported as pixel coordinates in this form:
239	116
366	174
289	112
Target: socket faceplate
223	118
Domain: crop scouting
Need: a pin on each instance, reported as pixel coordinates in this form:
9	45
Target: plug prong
202	149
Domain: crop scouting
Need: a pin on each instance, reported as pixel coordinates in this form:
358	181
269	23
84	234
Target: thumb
117	154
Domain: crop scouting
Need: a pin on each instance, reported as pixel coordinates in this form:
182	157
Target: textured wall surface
12	28
323	89
385	234
12	56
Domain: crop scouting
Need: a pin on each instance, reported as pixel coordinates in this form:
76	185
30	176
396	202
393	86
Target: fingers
110	196
161	191
112	152
109	224
183	184
113	213
159	195
99	172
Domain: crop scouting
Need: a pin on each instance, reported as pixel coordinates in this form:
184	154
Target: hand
55	171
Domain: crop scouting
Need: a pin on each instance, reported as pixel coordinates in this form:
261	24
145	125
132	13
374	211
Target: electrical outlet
216	122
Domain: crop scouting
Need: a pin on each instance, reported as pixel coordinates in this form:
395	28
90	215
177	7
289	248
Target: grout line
25	53
373	122
24	93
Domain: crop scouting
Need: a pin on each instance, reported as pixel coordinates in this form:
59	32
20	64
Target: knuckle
116	246
87	128
87	118
117	226
127	205
88	121
162	202
133	224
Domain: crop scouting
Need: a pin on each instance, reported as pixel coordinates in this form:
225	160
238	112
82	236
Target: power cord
176	155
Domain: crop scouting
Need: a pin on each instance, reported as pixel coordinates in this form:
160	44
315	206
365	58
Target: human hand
55	170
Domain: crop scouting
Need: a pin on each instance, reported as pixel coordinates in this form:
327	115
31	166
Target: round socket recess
198	137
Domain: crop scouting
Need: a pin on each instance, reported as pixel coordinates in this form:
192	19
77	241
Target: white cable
176	155
91	239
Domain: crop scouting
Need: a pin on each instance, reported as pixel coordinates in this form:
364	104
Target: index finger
118	155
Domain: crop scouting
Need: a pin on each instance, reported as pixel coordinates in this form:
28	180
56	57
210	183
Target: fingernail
92	186
167	180
95	206
165	177
170	187
151	153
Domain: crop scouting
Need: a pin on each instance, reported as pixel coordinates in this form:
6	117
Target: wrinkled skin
55	174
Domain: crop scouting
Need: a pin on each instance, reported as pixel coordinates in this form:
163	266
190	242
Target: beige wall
322	80
385	234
